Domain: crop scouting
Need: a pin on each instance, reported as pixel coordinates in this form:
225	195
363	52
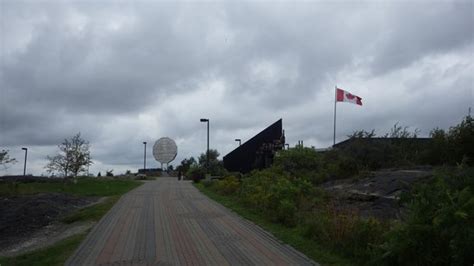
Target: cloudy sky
124	72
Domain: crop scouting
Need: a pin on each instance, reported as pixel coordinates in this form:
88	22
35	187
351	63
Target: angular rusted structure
258	152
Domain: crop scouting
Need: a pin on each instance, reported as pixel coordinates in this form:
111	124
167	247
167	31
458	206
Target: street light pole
207	157
144	158
26	155
239	140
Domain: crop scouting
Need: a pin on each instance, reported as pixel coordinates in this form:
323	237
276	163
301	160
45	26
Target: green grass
84	187
56	254
92	213
292	236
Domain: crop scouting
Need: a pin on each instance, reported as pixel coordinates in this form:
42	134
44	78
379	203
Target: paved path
166	222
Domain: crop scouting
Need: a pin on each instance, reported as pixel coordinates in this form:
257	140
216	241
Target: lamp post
207	157
144	158
24	166
239	140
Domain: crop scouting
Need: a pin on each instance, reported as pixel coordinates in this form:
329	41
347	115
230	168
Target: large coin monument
165	150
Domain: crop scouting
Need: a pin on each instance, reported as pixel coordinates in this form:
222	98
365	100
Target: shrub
255	189
281	197
316	227
345	231
216	166
196	173
365	236
286	212
299	162
439	229
451	147
208	183
227	186
337	165
307	164
461	141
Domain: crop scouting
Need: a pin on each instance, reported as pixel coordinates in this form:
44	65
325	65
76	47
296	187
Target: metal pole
335	101
207	152
144	158
208	146
24	166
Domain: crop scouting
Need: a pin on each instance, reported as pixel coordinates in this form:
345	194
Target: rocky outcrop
377	193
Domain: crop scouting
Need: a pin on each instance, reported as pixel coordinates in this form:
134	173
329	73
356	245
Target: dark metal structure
258	152
418	143
150	171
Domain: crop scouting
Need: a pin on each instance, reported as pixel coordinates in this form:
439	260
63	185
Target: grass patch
292	236
56	254
92	213
83	187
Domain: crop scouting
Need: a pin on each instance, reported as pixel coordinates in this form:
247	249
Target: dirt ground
25	217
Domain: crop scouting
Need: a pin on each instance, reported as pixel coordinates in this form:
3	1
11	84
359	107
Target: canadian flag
345	96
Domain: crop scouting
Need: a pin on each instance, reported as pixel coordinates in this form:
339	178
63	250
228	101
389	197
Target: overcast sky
131	71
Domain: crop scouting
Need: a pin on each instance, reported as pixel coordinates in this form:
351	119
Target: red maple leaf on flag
350	96
345	96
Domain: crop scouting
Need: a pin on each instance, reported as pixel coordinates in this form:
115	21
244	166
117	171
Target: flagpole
335	101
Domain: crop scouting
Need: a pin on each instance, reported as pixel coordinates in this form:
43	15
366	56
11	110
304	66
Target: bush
299	162
286	212
227	186
282	198
461	141
345	232
196	173
255	189
365	236
338	166
307	164
439	229
208	183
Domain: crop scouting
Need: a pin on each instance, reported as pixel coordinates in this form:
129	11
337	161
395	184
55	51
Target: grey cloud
415	30
83	66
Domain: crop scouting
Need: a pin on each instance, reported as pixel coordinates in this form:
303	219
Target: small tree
216	166
186	164
5	159
400	132
73	157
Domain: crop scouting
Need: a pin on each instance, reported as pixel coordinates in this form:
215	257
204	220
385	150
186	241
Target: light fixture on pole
26	155
239	140
207	157
144	158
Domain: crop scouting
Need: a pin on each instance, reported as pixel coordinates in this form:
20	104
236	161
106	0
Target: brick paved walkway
166	222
